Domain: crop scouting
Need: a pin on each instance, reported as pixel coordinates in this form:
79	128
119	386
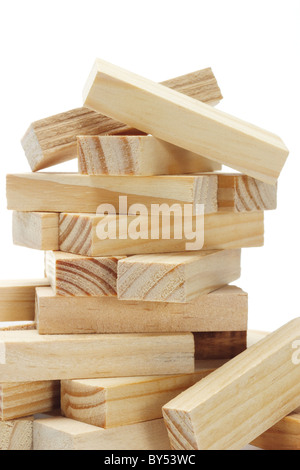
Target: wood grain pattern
199	418
50	141
59	433
16	434
70	192
137	155
38	230
225	309
78	234
185	122
28	398
219	344
176	277
17	298
27	356
74	275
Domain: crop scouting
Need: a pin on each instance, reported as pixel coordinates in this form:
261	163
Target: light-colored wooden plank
28	356
53	140
78	233
225	309
59	433
75	275
137	155
17	299
241	193
16	434
70	192
185	122
37	230
28	398
176	277
219	344
17	325
259	387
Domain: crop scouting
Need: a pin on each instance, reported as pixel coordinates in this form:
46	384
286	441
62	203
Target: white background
47	51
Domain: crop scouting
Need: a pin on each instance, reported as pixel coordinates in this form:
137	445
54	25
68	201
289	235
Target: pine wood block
284	435
176	277
52	140
70	192
137	155
17	325
199	418
219	344
28	356
185	122
59	433
16	434
28	398
224	310
78	233
17	299
241	193
75	275
37	230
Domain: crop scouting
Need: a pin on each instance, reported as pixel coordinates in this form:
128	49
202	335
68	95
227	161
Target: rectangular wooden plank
244	386
224	310
185	122
38	230
75	275
17	298
59	433
70	192
137	155
219	344
16	434
28	398
78	233
50	141
176	277
27	356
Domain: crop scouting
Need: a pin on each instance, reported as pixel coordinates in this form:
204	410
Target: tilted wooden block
30	192
17	299
74	275
37	230
59	433
176	277
78	233
53	140
232	406
137	155
17	325
219	344
224	310
28	356
28	398
185	122
16	434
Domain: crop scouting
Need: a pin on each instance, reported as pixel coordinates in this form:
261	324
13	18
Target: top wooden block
184	121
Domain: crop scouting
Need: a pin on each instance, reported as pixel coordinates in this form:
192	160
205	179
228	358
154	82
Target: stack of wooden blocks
139	342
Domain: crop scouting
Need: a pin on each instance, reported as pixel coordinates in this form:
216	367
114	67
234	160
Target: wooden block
37	230
28	398
17	325
108	403
53	140
242	399
284	435
241	193
78	234
74	275
67	192
225	309
176	277
59	433
185	122
28	356
219	344
17	299
16	434
137	155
